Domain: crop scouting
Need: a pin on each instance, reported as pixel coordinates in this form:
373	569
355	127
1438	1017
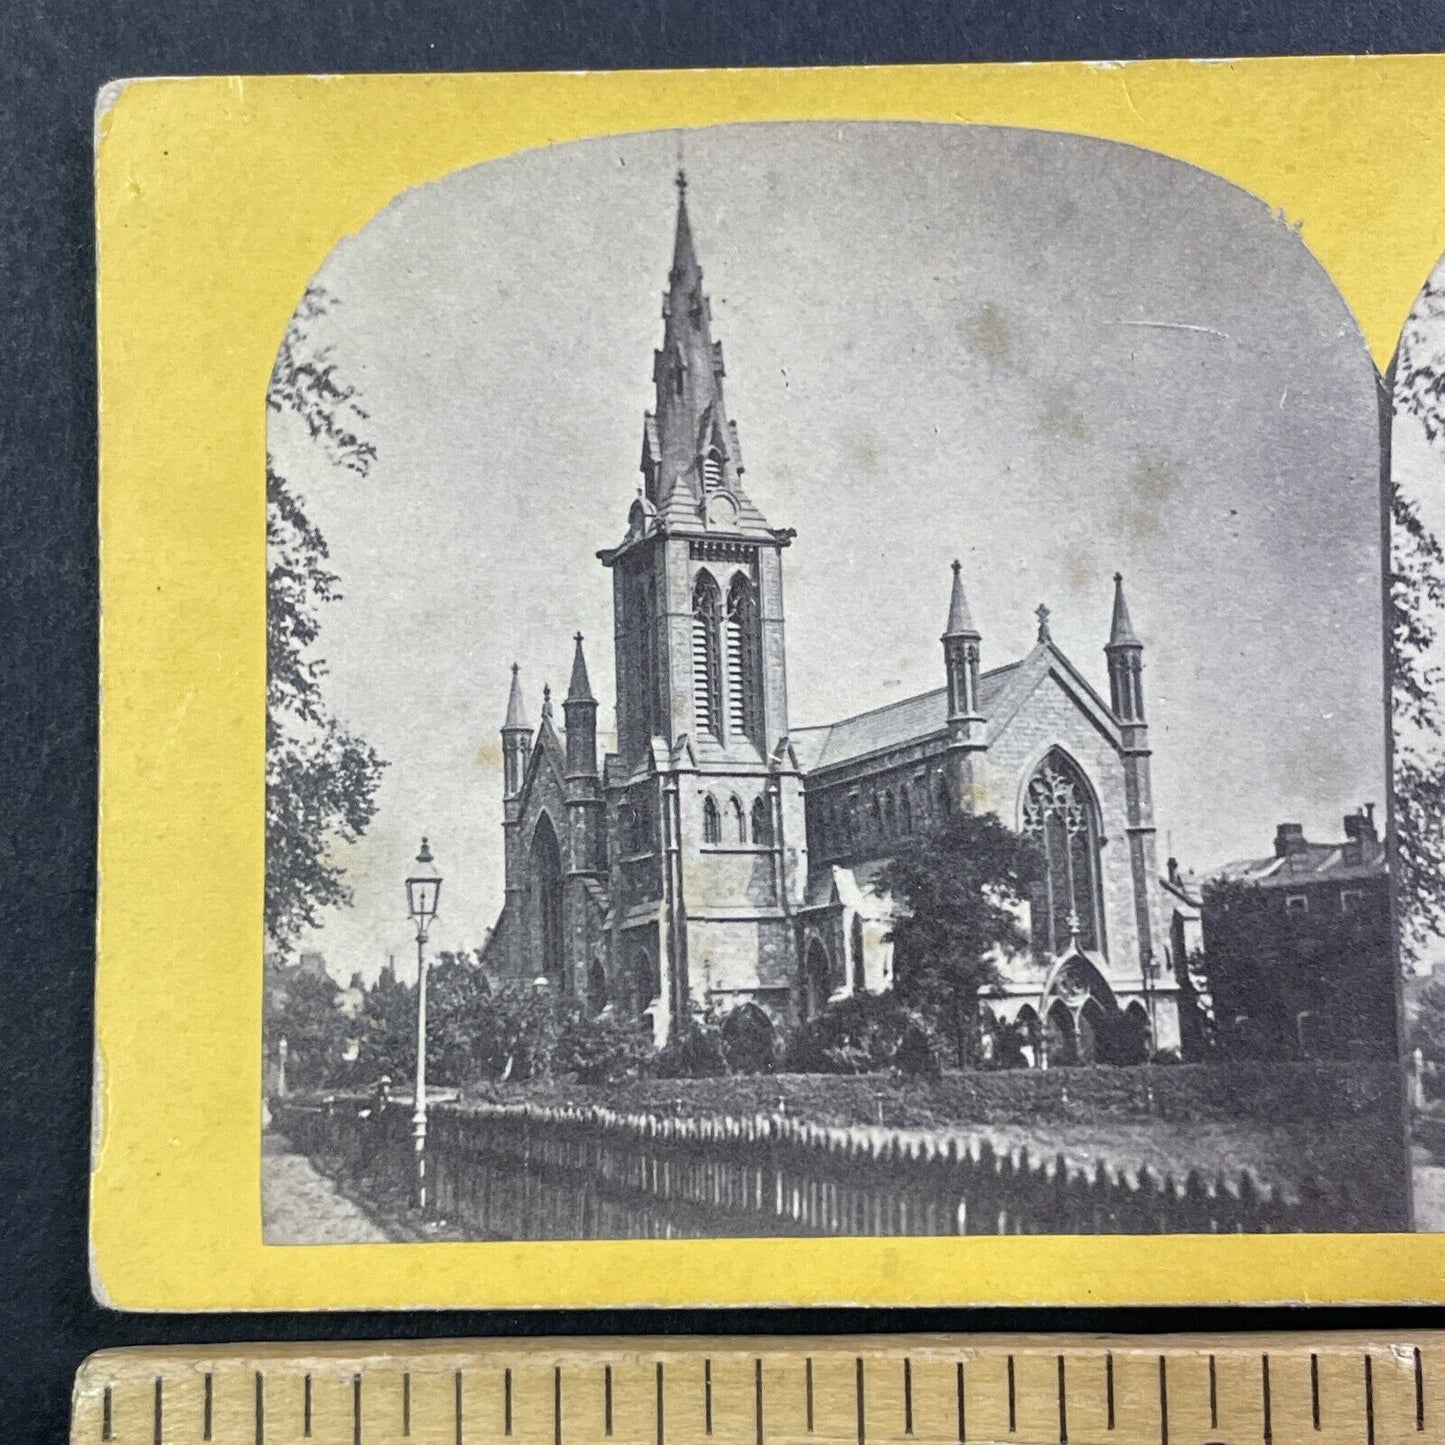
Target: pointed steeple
690	446
1121	632
516	739
516	711
960	661
579	689
580	709
1125	654
684	254
546	702
960	620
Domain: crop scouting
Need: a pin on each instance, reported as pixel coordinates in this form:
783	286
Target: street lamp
423	888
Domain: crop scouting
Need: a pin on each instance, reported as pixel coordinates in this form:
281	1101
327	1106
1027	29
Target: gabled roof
890	726
1314	863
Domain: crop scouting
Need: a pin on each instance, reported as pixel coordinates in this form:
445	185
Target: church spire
960	660
1125	654
960	621
579	689
1121	632
516	739
580	710
690	447
516	710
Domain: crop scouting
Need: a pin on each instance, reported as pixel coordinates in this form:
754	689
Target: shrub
695	1051
861	1035
599	1050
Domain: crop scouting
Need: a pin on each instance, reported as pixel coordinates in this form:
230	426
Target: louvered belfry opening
744	680
707	683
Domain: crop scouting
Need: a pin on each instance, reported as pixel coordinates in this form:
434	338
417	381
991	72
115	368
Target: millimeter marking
607	1400
1012	1411
556	1405
1419	1390
158	1421
206	1406
457	1407
1213	1396
1109	1389
1163	1400
962	1405
907	1396
758	1400
1063	1405
406	1403
306	1407
1264	1399
1369	1400
659	1403
808	1384
1315	1390
862	1409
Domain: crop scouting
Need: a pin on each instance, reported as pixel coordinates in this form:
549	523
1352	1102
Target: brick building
724	854
1301	946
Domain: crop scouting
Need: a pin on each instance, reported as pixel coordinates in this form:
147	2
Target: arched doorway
547	880
750	1040
1061	1036
816	970
596	987
645	983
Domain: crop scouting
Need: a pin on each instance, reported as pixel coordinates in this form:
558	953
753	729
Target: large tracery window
743	673
706	655
1061	818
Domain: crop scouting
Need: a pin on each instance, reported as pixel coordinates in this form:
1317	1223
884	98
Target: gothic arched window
740	825
856	949
1060	815
647	623
547	880
744	681
711	821
905	811
889	820
762	823
706	655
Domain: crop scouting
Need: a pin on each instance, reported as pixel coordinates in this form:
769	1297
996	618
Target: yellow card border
217	200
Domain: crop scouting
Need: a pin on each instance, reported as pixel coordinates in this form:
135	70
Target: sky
1050	356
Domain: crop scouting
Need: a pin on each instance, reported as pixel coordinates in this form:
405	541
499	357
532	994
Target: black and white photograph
837	679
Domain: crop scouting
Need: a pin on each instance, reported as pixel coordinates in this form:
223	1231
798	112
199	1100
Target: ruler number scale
1286	1390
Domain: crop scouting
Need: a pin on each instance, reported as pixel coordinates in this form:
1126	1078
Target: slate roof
890	726
1315	863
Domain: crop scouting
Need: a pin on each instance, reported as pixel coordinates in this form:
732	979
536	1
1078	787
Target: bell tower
702	700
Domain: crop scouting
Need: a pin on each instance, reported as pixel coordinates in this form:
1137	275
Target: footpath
300	1205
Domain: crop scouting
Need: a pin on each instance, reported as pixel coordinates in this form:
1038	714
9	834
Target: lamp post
423	888
1151	977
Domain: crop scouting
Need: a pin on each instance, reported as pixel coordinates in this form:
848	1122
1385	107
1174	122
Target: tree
1427	1030
302	1008
961	889
1417	605
386	1031
458	995
321	779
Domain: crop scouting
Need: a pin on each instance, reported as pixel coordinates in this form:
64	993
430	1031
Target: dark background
53	57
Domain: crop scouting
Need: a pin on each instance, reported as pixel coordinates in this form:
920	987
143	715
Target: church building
723	855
